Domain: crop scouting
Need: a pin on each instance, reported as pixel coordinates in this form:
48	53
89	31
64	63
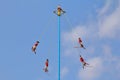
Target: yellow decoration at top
59	11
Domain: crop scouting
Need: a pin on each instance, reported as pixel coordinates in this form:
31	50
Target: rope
70	25
74	36
47	25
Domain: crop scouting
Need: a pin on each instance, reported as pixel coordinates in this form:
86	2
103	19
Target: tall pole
59	12
58	47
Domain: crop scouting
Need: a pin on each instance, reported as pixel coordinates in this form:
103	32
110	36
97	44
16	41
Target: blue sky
22	22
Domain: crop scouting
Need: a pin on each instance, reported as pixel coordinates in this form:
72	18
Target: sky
23	22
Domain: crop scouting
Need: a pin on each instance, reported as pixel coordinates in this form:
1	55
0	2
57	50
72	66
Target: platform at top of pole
59	11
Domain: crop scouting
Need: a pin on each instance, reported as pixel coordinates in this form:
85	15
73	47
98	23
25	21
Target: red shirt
81	59
36	44
46	63
79	40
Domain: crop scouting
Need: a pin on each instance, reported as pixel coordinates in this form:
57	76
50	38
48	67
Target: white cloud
111	62
107	50
92	72
110	24
108	55
105	8
106	63
64	71
69	51
79	31
108	27
84	32
70	39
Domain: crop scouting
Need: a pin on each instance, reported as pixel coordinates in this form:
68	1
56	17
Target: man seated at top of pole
59	11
